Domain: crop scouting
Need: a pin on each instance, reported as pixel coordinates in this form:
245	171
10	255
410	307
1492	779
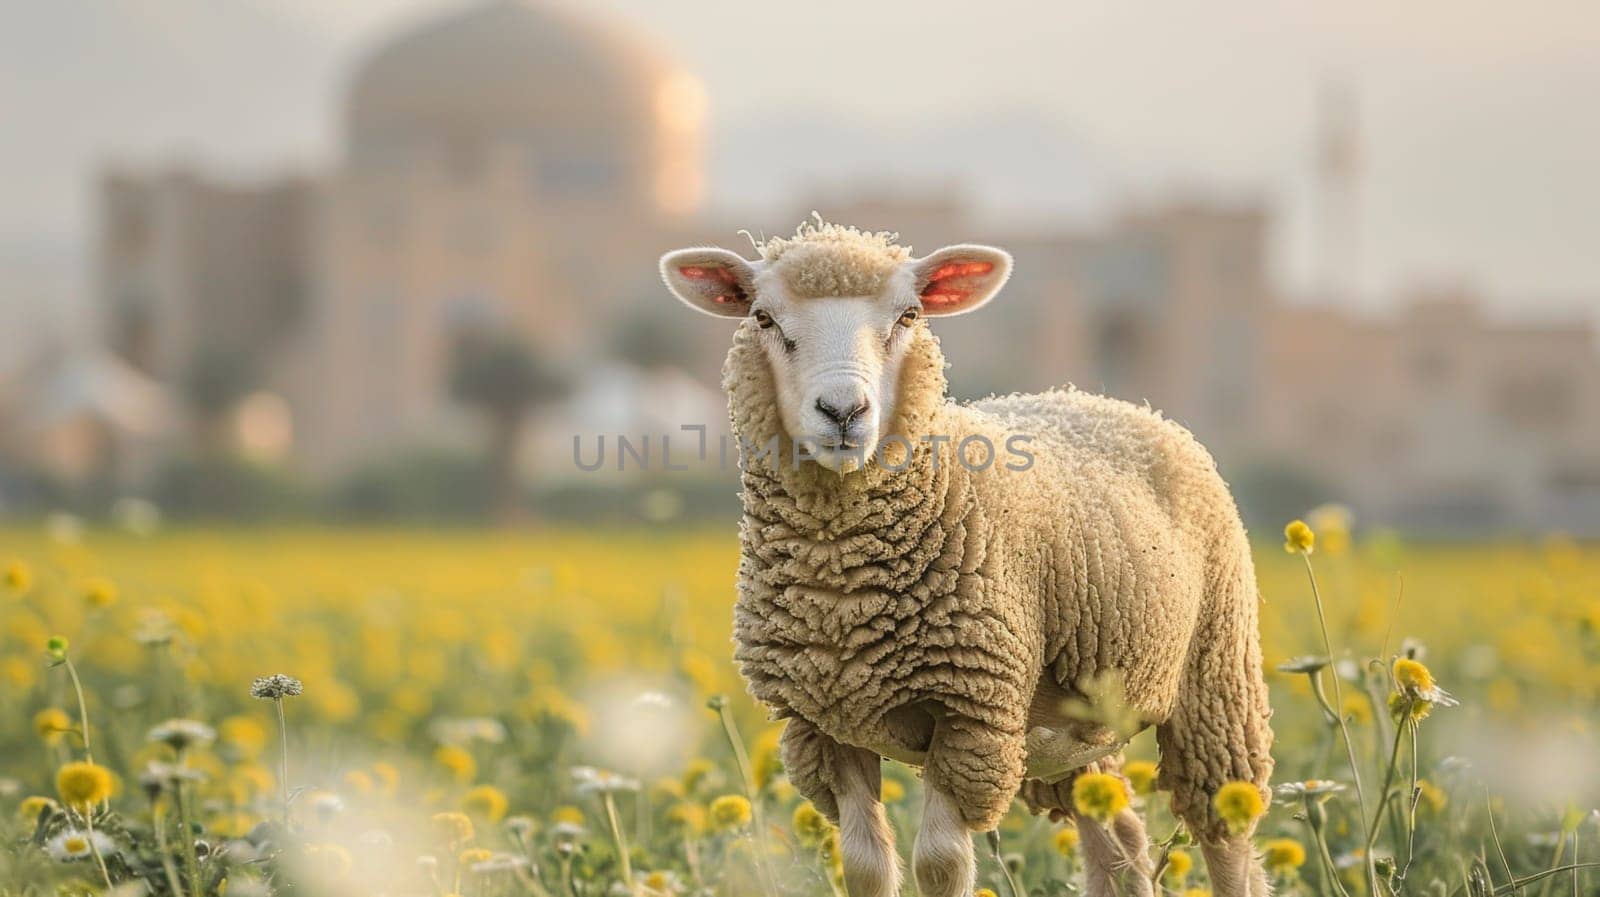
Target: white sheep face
836	360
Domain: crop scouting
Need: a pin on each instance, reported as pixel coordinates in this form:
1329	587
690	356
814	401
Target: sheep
1003	626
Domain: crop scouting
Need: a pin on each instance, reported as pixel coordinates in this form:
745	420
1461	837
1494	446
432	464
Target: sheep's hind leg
1116	857
1231	865
1218	731
845	784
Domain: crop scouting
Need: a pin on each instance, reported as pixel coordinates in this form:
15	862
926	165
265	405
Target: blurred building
510	168
1432	416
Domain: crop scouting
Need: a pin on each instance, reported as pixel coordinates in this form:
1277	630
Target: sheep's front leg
972	774
845	784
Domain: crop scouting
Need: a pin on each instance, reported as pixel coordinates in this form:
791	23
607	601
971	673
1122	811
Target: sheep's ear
958	279
710	280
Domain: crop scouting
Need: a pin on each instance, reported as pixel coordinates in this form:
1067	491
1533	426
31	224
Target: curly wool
876	607
825	259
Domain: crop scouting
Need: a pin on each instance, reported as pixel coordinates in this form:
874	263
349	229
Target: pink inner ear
722	276
953	282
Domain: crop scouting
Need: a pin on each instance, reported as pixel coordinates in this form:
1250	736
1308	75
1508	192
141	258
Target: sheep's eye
909	316
763	320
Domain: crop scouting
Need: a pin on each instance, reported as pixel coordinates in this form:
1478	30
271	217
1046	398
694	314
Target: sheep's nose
843	417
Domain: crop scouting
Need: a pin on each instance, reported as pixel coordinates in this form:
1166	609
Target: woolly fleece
935	614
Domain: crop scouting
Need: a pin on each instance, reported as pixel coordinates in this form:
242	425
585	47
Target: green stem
166	856
622	844
1388	782
1344	729
191	860
83	709
747	781
88	824
1000	860
1329	871
1540	876
283	763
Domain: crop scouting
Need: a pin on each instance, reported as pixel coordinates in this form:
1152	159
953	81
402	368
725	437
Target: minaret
1338	173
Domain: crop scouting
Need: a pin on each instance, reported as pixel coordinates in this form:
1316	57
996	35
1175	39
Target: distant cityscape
490	225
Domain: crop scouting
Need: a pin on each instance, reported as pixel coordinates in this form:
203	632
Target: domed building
590	111
510	167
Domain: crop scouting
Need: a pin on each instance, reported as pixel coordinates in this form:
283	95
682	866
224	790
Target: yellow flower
1283	855
1410	675
388	776
18	578
457	761
233	825
51	723
1141	774
1066	841
689	817
1238	804
1099	796
17	673
244	734
764	761
891	791
1357	709
810	826
1401	706
485	802
728	812
1179	864
1415	681
453	828
1332	522
697	773
567	813
100	592
249	781
1431	796
32	806
985	892
667	788
474	855
358	781
1197	892
82	784
1298	538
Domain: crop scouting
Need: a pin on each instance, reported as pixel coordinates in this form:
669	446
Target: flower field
403	713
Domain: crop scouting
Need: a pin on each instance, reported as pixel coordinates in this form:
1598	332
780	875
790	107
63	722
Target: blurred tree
505	378
213	383
657	338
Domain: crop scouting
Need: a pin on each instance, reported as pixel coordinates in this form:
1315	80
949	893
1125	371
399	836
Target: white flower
276	687
466	731
158	777
566	831
601	781
500	862
326	805
1308	788
181	734
75	845
653	700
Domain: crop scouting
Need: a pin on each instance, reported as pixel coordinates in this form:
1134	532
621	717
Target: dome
508	69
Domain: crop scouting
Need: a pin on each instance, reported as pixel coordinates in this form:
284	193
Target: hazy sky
1480	127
